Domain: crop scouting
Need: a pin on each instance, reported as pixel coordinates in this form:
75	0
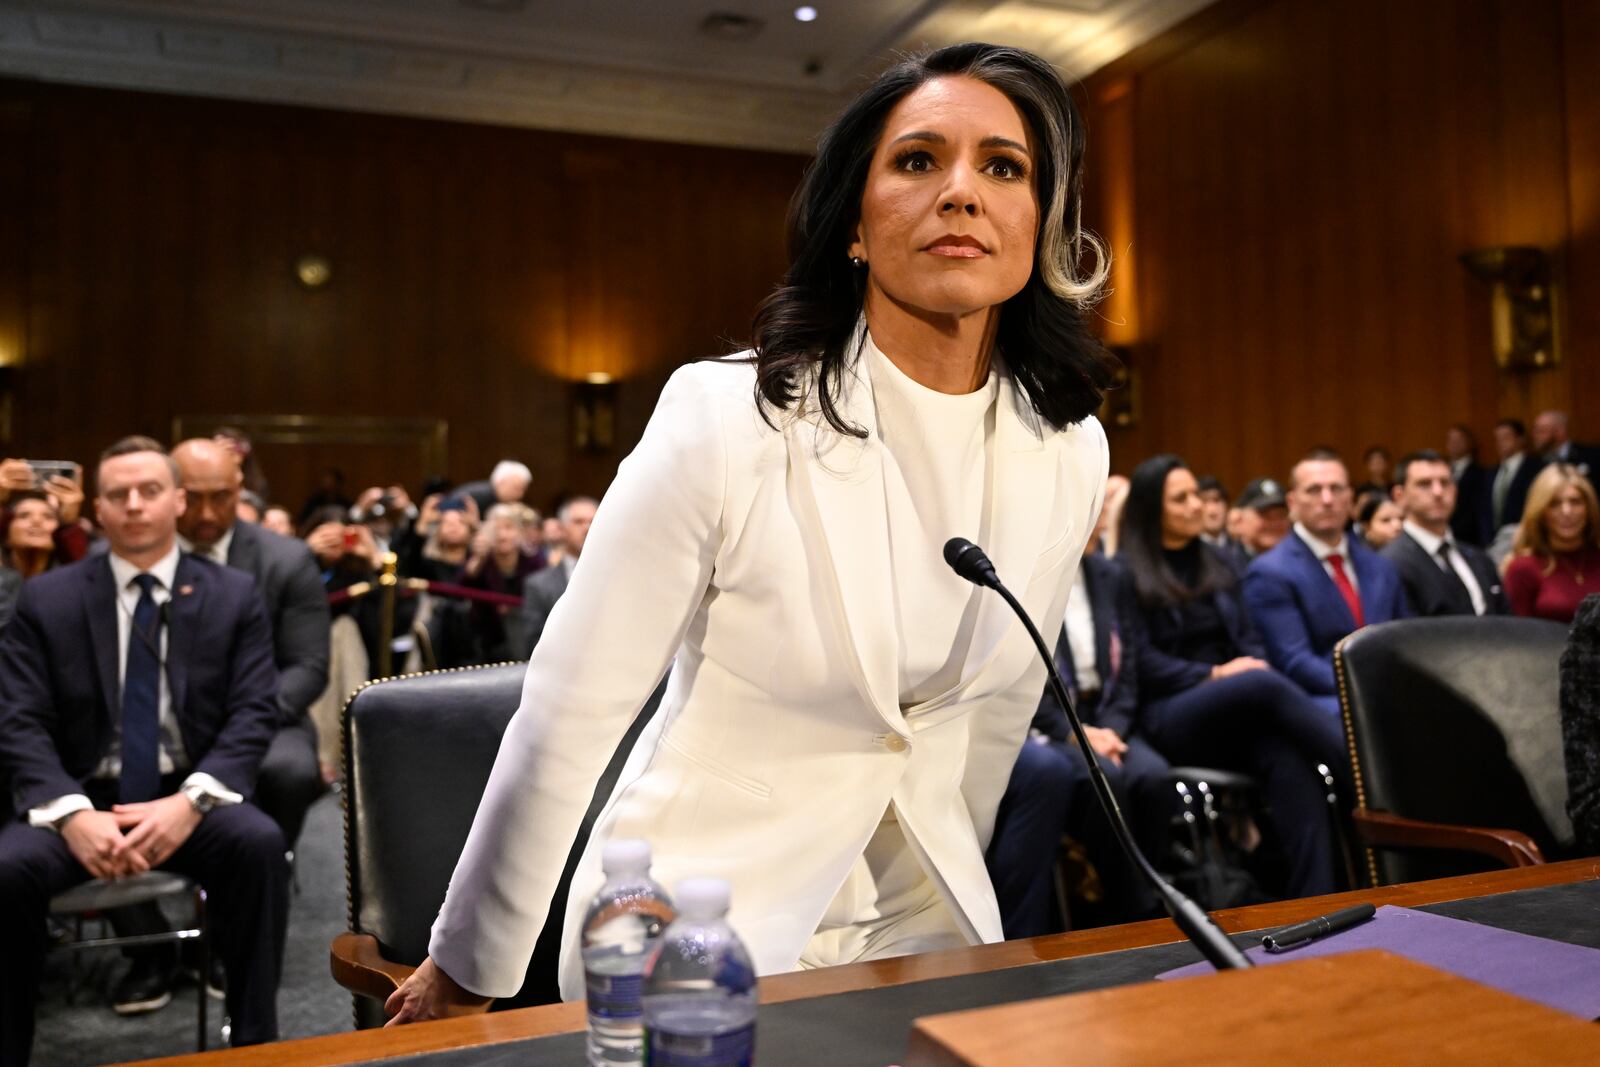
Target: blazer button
896	743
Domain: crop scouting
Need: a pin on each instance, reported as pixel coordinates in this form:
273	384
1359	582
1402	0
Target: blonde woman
1555	559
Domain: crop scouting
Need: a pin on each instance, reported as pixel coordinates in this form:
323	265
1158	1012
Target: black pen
1300	933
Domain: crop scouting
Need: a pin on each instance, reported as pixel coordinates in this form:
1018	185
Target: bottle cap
702	898
625	855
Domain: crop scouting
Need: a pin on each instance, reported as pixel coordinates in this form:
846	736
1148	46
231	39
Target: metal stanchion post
387	583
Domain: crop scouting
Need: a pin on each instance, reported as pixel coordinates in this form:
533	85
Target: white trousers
886	907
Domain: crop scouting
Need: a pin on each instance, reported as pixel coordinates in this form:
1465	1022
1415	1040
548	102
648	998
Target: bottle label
614	996
736	1048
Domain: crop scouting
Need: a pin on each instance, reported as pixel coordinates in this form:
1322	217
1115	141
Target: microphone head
969	561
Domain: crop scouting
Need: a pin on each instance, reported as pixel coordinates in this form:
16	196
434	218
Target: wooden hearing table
522	1024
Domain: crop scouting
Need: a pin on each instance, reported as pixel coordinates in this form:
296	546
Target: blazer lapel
1099	581
1018	517
1371	582
243	550
1322	585
100	611
836	482
183	621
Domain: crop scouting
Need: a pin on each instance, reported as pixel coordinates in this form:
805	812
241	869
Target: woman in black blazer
1207	694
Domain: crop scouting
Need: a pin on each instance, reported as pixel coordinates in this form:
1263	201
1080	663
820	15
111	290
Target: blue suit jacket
1119	688
1301	614
59	691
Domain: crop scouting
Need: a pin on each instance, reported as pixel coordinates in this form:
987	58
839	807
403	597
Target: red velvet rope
412	586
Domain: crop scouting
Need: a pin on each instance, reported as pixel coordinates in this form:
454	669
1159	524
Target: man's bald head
210	476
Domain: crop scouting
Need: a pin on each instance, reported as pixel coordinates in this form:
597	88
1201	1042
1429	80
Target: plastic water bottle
700	986
620	931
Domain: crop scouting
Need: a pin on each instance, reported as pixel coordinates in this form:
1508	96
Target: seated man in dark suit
1441	576
1050	792
1552	441
543	588
1470	522
1508	488
137	697
297	608
1319	584
1258	520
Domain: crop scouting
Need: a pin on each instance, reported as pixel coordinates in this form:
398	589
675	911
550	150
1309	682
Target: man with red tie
137	697
1320	584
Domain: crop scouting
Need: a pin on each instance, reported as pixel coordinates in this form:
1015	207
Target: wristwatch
199	799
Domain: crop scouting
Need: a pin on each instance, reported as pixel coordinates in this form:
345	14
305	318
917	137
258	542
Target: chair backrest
1456	720
417	755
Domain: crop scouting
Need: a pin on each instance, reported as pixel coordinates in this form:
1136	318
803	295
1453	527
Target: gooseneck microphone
971	563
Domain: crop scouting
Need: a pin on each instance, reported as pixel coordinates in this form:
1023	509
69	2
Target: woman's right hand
15	477
431	994
1239	666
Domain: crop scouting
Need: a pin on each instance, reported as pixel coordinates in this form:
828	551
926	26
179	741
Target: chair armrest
1382	829
360	967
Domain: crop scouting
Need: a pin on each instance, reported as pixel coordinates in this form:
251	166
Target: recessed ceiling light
805	13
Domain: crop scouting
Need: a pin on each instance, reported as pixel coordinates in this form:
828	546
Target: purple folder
1554	973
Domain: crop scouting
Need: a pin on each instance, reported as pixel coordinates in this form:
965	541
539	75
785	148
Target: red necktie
1348	591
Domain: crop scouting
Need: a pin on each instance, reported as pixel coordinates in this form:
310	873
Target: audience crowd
1201	630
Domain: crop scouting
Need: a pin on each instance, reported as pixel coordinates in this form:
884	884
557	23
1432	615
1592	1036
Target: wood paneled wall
476	273
1287	185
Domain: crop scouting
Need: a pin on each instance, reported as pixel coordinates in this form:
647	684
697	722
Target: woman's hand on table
431	994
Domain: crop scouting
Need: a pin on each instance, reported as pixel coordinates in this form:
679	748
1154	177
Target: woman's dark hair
1042	336
1139	541
1369	507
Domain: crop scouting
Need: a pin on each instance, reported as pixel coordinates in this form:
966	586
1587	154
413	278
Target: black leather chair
417	754
1455	740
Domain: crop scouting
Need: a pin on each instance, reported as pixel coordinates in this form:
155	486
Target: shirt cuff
212	788
45	816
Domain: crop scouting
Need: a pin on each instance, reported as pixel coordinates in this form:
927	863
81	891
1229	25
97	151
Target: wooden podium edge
1367	1007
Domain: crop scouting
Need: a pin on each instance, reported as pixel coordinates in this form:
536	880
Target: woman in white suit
843	711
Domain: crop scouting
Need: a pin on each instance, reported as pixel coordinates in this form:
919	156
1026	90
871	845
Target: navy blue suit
1471	522
1050	792
1302	615
1258	722
59	700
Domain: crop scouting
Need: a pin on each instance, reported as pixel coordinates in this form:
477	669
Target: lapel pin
185	590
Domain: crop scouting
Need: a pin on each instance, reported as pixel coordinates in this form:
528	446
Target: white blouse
937	480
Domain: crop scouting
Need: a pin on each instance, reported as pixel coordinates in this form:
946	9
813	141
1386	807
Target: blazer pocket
759	790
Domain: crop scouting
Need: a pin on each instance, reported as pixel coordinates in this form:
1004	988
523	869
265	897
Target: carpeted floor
76	1026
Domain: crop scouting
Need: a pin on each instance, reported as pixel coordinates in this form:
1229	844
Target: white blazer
755	562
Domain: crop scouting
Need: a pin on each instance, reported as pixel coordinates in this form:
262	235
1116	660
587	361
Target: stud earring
857	261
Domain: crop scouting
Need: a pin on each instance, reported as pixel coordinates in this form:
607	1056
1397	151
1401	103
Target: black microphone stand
971	563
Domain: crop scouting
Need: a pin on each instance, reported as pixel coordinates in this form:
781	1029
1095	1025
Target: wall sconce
1120	408
1521	305
594	413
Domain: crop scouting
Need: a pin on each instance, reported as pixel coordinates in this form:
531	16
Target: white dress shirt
1080	635
217	553
172	755
1430	544
1324	550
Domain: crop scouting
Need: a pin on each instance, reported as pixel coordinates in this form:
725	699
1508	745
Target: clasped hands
130	838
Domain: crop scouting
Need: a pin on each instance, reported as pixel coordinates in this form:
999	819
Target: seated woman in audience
1555	558
1378	521
1207	695
501	568
36	534
449	541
